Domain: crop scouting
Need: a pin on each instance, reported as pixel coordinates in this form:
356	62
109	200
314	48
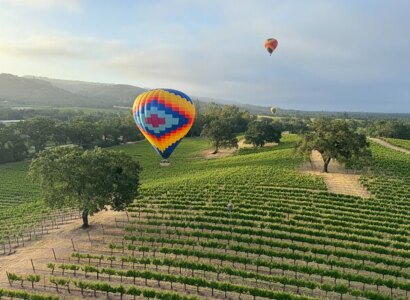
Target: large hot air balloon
270	45
164	117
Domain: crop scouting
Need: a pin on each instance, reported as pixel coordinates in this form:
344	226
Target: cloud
46	5
332	55
44	47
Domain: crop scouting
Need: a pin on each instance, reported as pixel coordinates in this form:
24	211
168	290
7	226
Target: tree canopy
89	180
222	123
38	131
261	132
21	139
221	134
12	144
335	139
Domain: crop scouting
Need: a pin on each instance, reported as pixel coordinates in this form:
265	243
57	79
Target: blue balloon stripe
167	152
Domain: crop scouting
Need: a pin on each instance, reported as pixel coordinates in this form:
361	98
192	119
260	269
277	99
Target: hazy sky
348	55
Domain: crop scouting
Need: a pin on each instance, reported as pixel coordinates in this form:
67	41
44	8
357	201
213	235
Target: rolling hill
34	91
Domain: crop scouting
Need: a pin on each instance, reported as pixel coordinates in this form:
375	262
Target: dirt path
60	240
388	145
208	154
337	180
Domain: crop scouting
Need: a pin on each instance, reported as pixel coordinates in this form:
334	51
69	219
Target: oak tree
90	180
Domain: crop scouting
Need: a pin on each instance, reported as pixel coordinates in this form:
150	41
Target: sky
347	55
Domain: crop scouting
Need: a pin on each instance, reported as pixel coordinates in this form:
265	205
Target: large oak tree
222	123
220	133
335	139
89	180
261	132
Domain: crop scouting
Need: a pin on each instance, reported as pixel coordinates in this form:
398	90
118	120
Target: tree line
222	125
52	127
22	140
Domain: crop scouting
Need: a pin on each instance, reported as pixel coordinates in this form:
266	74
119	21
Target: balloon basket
165	163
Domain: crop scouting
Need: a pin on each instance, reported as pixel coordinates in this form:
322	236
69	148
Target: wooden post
102	226
54	253
32	264
72	243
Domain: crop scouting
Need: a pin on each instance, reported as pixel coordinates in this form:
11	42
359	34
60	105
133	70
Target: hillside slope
285	238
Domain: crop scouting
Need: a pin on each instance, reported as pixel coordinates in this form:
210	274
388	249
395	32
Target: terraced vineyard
286	237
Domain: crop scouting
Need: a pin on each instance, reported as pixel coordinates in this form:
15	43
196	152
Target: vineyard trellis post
229	207
32	264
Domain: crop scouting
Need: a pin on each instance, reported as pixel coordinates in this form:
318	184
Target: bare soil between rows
60	240
338	180
209	153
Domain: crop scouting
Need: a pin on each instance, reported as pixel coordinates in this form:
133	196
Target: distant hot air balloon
164	117
273	110
270	45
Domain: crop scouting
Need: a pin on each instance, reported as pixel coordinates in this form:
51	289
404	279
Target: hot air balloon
270	45
273	110
164	117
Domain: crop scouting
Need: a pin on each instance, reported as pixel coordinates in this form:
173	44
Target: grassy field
286	238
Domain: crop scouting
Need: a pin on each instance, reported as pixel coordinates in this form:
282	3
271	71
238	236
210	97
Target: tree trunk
85	218
216	148
326	164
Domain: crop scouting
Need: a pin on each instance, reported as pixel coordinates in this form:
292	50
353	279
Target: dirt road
388	145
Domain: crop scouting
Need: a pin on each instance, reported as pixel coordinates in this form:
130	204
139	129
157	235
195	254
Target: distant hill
113	94
32	90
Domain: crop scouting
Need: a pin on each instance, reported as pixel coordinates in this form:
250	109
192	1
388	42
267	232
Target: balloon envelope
164	117
270	45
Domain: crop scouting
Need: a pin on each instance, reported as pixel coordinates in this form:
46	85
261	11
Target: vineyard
399	143
15	188
23	217
285	238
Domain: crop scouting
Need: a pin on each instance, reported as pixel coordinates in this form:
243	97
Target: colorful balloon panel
164	117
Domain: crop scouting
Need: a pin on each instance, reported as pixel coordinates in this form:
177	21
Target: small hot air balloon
270	45
273	110
164	117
